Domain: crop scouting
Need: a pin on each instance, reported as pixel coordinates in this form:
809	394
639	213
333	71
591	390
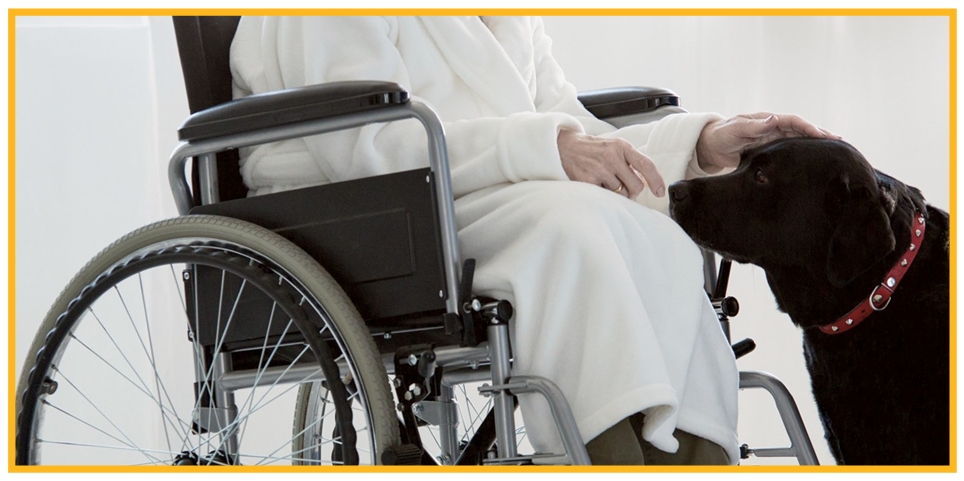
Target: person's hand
609	163
721	142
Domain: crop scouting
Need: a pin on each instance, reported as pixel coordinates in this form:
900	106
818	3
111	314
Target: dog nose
678	192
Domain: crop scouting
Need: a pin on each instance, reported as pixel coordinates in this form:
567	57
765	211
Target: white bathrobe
608	292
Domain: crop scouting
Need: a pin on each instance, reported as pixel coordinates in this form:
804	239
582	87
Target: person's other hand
721	142
609	163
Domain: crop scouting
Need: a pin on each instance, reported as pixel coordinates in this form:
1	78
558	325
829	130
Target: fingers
623	170
787	125
614	172
624	185
612	164
617	184
644	166
722	142
799	124
633	170
592	160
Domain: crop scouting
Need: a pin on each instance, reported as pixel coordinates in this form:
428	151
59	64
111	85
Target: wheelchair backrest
204	45
384	251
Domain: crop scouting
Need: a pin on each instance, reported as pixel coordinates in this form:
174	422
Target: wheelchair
310	327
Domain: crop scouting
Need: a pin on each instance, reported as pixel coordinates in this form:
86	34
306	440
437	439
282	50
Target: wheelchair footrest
575	449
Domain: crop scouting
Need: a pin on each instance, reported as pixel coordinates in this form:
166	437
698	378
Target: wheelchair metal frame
496	352
494	357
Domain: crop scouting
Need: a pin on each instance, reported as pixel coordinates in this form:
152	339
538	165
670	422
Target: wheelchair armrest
272	109
618	102
312	110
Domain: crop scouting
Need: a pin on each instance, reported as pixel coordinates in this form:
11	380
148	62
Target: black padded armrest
622	101
271	109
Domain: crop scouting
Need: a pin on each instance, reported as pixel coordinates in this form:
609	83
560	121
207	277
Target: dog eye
760	177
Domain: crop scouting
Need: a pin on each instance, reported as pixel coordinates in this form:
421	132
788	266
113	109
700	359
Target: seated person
564	213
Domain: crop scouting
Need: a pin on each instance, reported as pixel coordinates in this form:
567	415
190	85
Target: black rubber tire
184	240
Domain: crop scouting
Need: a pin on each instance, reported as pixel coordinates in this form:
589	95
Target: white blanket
608	293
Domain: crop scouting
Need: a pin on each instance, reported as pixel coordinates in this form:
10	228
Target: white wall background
99	99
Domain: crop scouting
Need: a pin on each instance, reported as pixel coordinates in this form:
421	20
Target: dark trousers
623	444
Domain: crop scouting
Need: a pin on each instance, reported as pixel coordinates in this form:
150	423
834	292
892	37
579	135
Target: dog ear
862	236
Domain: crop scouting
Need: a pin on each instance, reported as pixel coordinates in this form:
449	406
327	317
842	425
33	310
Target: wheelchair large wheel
184	343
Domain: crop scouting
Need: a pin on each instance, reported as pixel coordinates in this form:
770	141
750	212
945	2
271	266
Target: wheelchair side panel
378	237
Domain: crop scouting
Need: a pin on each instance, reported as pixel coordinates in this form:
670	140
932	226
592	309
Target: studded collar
879	298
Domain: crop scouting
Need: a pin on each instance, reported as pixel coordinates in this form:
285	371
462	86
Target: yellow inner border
12	14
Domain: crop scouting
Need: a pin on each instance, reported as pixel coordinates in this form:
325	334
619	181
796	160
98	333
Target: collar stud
880	297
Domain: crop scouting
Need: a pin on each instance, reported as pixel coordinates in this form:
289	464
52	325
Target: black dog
836	238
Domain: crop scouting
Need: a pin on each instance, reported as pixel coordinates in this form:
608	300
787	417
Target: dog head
812	204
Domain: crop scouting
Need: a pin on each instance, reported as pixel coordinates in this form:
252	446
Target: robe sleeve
274	53
670	142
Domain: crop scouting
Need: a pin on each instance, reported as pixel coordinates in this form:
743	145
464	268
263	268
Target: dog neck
805	293
879	298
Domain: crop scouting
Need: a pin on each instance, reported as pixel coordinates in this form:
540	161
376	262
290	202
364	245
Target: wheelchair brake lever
465	285
724	306
722	279
426	364
461	322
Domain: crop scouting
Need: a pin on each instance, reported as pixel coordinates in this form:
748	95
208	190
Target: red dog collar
880	297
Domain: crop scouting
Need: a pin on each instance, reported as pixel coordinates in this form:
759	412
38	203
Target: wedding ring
618	189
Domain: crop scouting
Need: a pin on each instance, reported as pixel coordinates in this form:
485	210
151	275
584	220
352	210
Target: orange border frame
12	14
